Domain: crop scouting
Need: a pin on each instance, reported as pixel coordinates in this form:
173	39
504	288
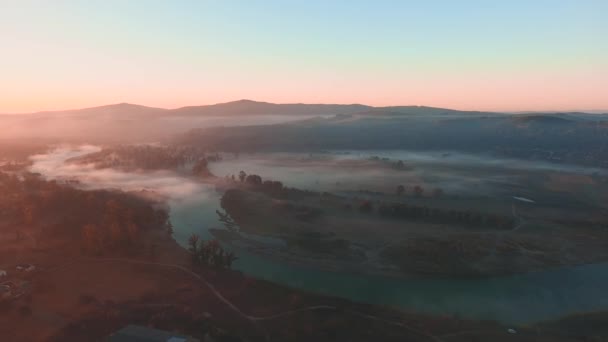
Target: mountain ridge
252	107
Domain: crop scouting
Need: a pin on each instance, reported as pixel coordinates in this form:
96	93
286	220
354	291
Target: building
25	267
5	292
136	333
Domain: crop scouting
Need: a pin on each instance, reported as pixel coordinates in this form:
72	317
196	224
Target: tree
27	212
366	207
17	233
133	231
92	239
209	253
230	258
161	216
201	169
116	233
193	243
273	188
254	180
418	191
438	192
218	258
193	249
400	190
242	175
153	248
113	209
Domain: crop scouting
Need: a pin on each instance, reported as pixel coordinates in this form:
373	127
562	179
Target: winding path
252	318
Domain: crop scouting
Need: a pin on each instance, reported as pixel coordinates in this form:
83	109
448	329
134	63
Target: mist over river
517	299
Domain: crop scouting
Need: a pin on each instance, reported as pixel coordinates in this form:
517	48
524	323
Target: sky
469	54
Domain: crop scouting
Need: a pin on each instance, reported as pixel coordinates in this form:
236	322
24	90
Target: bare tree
438	192
418	191
400	190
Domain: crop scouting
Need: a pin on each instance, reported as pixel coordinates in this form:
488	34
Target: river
510	299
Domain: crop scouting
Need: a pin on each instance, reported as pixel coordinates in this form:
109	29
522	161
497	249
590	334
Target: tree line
147	157
416	212
255	182
386	209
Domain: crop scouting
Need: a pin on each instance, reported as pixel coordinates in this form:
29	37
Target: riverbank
308	261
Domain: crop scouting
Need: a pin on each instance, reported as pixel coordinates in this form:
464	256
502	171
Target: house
25	267
14	289
138	333
5	292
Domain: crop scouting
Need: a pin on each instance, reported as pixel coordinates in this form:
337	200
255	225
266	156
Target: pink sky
513	55
534	91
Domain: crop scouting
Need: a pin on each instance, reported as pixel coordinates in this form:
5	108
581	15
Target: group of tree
366	207
101	220
467	218
255	182
400	190
147	157
209	253
20	151
242	175
418	191
395	164
201	169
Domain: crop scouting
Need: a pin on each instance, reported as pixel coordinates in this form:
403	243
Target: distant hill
541	119
318	125
548	137
118	110
248	107
433	111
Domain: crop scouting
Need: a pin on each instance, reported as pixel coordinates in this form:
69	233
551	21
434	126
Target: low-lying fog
458	175
53	165
101	129
454	173
183	194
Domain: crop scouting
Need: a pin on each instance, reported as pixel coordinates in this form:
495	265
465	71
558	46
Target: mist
456	173
166	183
191	204
119	129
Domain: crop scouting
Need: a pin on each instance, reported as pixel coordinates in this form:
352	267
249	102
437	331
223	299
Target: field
467	219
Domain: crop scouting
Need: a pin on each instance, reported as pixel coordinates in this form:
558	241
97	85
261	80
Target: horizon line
589	111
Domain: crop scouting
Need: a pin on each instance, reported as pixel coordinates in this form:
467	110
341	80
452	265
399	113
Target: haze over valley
244	171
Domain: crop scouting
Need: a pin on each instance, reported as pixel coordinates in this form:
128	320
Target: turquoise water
510	299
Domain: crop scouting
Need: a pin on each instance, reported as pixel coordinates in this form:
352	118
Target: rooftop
136	333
